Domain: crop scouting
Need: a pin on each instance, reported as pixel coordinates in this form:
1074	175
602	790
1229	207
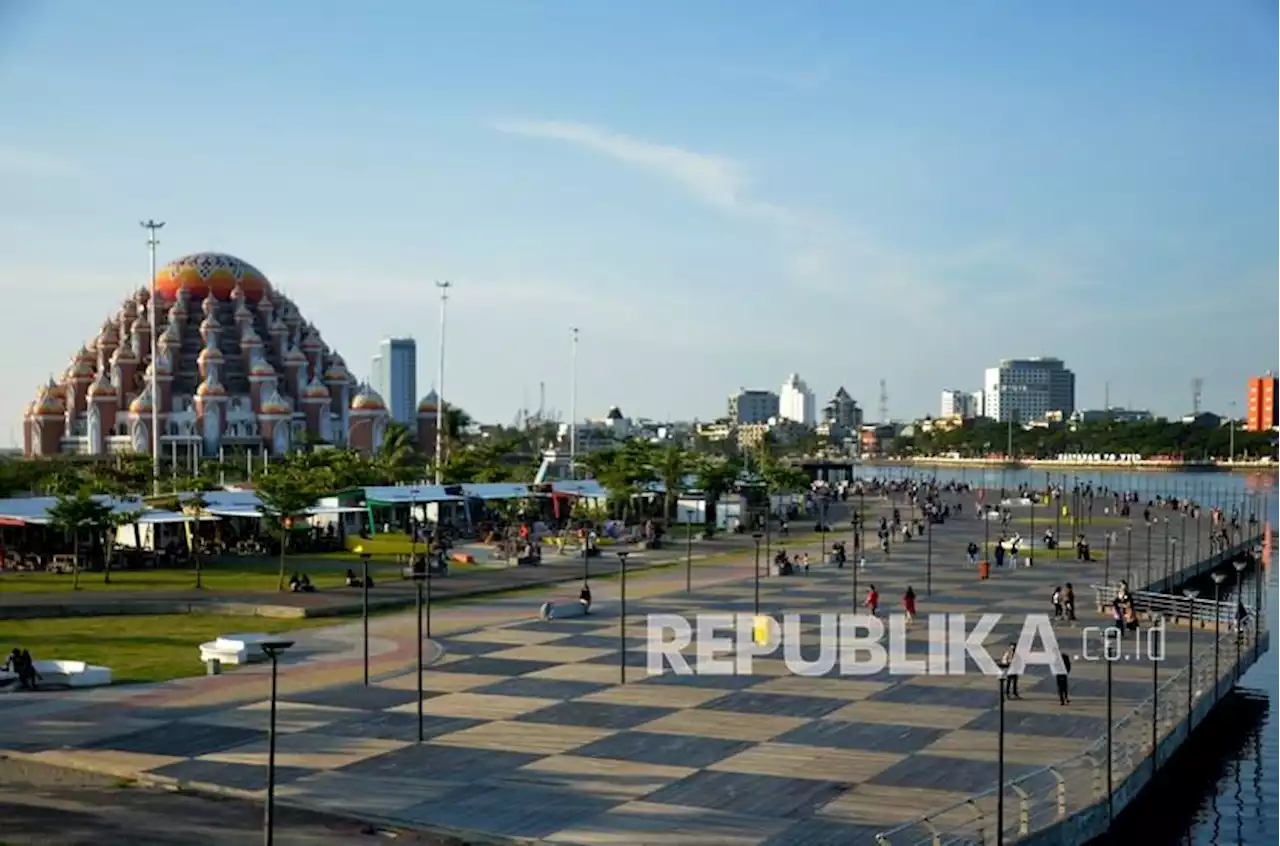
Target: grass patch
137	649
254	575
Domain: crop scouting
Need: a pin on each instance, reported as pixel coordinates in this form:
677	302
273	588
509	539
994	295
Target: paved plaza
530	733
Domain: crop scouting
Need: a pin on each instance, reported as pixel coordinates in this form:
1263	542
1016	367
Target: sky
717	194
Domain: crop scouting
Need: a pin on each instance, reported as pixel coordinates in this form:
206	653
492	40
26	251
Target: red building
1263	410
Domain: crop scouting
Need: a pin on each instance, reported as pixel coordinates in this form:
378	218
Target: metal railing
1169	607
1052	794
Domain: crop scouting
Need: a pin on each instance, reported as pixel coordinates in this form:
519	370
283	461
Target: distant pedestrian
972	550
1064	698
1057	602
872	601
909	604
1011	676
1069	602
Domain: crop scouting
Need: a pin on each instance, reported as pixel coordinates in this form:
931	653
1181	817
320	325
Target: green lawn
137	649
234	575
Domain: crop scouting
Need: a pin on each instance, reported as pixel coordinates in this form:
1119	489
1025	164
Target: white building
796	402
963	404
747	407
1027	389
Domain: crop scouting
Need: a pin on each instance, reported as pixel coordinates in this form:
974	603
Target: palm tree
715	477
77	513
286	492
195	508
673	467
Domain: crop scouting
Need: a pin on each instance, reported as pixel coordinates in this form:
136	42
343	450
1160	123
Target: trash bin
984	570
214	666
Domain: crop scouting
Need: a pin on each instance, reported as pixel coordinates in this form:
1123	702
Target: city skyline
903	171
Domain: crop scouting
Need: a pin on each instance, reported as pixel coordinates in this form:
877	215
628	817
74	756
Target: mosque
237	369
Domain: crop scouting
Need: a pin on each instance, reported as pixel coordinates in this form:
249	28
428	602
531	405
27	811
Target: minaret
265	308
180	311
250	344
108	339
295	372
313	349
428	411
210	360
81	376
103	404
367	422
274	417
140	421
315	407
279	333
262	379
210	328
48	424
164	381
211	413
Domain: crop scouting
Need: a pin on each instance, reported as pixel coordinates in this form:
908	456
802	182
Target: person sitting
1049	541
352	579
304	585
584	597
295	583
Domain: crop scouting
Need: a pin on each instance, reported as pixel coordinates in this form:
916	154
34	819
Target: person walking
872	601
1069	603
909	604
1011	677
1057	603
972	550
1064	697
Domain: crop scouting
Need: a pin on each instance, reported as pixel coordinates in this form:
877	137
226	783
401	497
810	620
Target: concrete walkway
532	735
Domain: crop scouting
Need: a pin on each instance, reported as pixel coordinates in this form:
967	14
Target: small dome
102	386
56	389
295	356
250	338
171	333
211	388
367	399
315	390
237	294
312	342
261	367
85	354
163	363
431	403
142	402
82	369
242	312
207	305
211	355
210	322
273	403
47	403
123	355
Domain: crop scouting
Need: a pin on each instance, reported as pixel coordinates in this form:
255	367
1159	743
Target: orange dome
141	404
202	273
367	400
48	404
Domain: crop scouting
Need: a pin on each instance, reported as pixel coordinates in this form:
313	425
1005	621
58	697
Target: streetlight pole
688	553
756	538
1128	551
573	404
273	649
441	414
152	227
1110	750
364	608
1239	564
1147	582
1000	677
1218	578
419	578
1191	594
928	557
622	623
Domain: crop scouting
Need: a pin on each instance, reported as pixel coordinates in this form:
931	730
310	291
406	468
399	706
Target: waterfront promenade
531	735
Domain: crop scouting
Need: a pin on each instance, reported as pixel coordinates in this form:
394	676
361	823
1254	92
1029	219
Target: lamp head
1190	593
1239	564
1219	577
275	647
623	556
756	535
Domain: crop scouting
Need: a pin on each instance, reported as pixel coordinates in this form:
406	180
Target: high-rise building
1027	389
396	375
1263	408
796	402
747	407
962	404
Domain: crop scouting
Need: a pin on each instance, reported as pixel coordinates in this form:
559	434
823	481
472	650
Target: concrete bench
562	609
72	673
235	649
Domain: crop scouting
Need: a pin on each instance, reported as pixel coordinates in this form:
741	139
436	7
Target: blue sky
717	193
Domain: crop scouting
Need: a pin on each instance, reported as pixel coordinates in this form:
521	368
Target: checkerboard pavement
530	732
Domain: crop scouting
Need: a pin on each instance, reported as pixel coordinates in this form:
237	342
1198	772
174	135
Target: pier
554	730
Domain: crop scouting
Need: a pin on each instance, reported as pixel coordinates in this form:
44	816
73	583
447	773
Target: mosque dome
315	390
261	367
142	402
431	402
367	399
273	403
48	403
216	273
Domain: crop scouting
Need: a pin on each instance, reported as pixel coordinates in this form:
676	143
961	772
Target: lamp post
822	515
364	608
688	553
1057	520
1000	677
928	558
1110	751
1031	543
1218	578
441	415
622	622
1182	545
573	404
419	578
756	538
1128	551
273	649
1191	594
1106	563
152	227
1168	573
1239	564
1147	580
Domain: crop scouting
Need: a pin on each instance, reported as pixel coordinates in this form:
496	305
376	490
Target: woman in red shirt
909	604
873	600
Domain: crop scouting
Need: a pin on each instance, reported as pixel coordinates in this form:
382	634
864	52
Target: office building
796	402
747	407
395	377
962	404
1025	390
1262	416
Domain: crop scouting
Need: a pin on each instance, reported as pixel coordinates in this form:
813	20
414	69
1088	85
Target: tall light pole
1231	455
273	650
1218	578
573	404
441	416
152	227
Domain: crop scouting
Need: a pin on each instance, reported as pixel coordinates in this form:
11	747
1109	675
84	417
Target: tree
196	507
673	467
715	477
286	492
75	514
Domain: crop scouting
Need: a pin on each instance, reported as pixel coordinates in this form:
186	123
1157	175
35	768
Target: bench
235	649
562	609
71	674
